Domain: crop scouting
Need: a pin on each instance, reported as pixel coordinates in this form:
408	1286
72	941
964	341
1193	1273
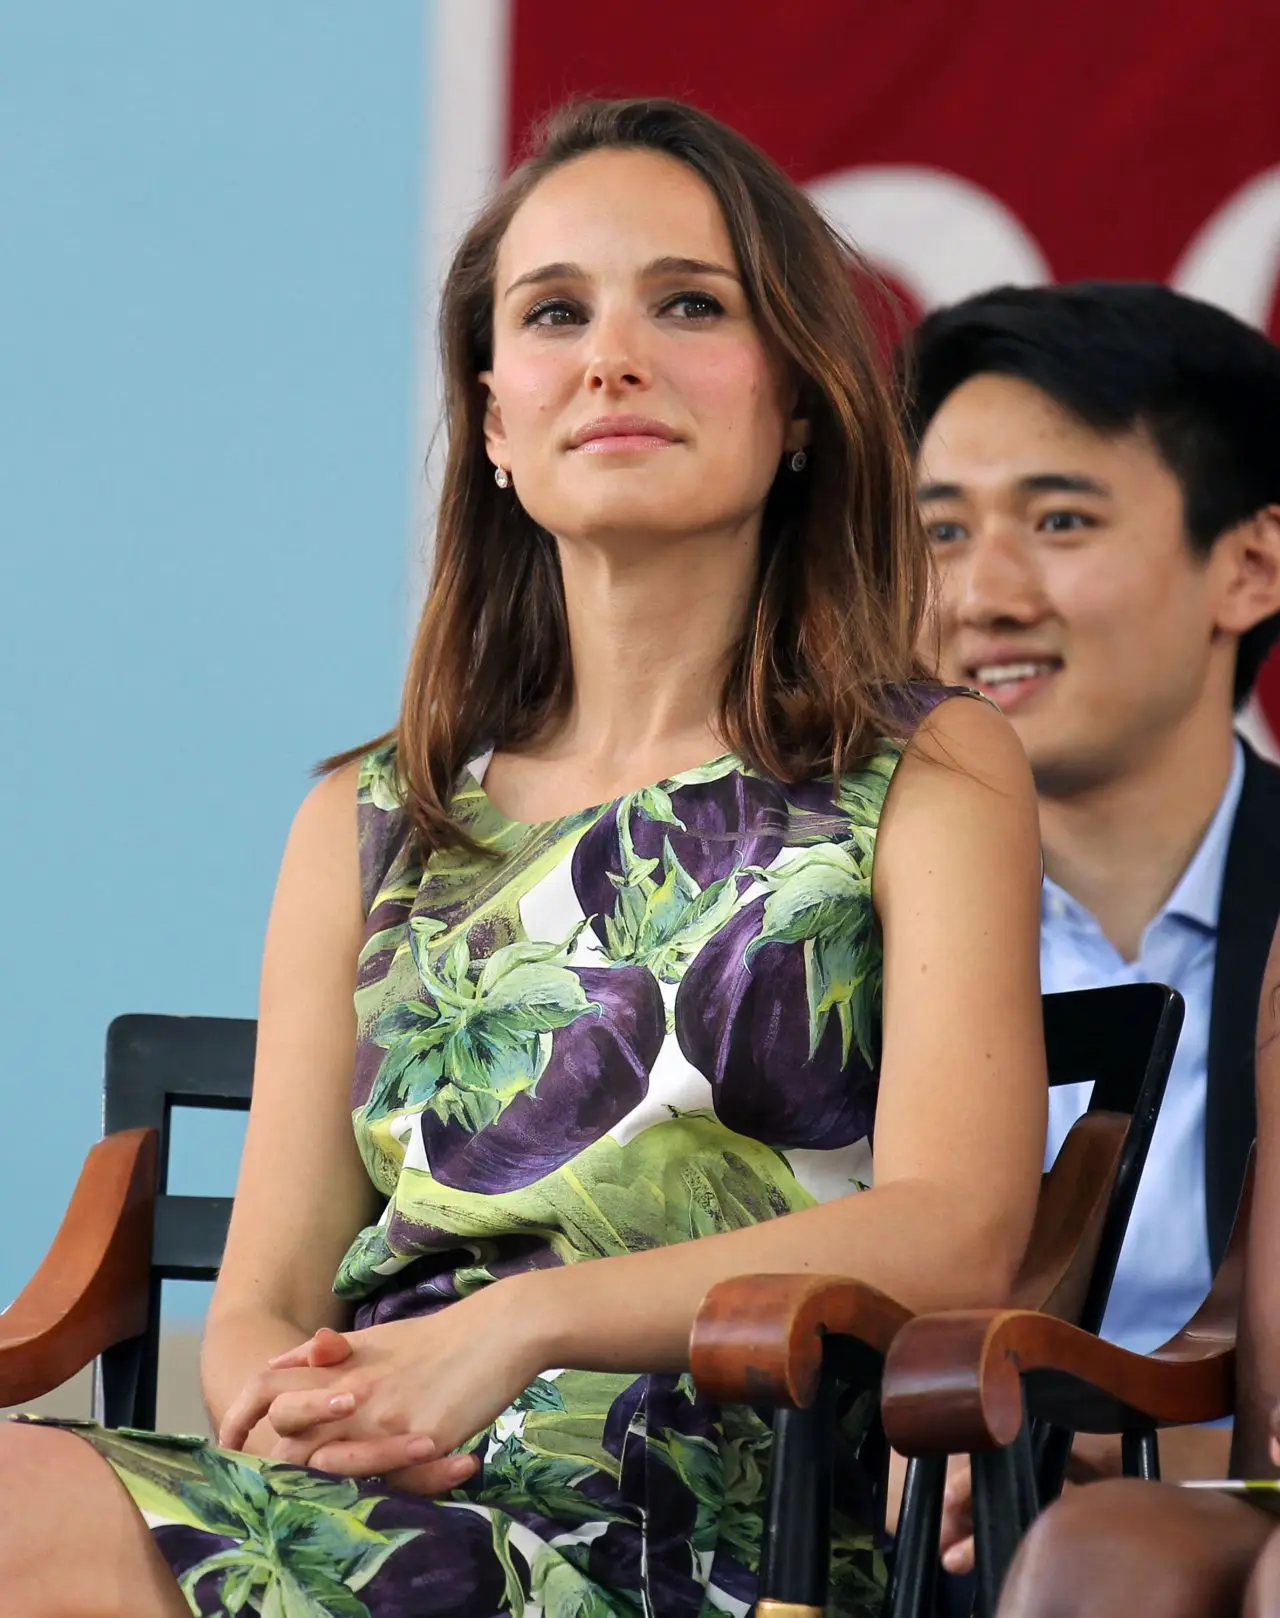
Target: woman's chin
627	510
627	522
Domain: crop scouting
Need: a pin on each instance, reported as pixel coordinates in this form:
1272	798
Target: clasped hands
391	1400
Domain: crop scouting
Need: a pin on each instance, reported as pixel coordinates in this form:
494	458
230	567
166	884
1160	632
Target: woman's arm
961	1117
303	1192
1258	1364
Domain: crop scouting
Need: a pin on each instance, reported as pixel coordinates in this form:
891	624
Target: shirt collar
1197	897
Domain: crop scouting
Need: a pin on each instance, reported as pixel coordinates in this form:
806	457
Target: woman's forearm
237	1345
634	1312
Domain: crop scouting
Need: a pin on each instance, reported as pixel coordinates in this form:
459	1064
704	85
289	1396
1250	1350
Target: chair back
154	1064
1122	1039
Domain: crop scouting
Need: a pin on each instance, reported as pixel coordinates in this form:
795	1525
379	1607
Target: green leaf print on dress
663	923
652	909
479	1036
303	1541
822	899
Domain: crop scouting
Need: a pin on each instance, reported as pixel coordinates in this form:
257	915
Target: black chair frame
1122	1039
154	1064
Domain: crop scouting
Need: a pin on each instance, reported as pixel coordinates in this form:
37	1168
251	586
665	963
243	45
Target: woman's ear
495	439
799	432
1252	586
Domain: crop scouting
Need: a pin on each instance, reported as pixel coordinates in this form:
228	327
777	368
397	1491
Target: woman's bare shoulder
972	739
963	783
324	825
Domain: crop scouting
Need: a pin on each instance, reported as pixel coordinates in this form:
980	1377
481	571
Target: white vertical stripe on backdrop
465	92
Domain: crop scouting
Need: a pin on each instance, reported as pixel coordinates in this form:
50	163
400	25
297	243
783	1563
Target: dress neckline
713	769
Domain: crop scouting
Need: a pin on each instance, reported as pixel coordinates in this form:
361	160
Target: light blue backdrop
209	233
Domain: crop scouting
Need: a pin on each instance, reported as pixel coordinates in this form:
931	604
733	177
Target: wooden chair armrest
954	1382
92	1289
759	1339
1070	1212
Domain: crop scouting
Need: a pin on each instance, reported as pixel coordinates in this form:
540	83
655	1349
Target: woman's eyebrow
669	265
546	272
689	266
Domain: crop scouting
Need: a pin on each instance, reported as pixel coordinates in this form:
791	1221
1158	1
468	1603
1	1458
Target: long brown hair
843	564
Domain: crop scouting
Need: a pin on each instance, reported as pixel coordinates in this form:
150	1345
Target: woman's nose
617	356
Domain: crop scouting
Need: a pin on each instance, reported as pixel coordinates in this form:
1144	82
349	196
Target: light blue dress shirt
1163	1273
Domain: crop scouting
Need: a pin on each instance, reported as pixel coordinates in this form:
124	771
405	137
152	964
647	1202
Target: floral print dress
638	1024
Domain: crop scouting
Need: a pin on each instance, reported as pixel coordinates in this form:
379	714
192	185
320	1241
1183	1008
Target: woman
1152	1548
625	980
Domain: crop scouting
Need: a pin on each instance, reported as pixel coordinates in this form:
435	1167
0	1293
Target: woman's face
632	394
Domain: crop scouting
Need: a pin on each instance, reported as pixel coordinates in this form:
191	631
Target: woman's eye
552	312
693	306
944	533
1065	522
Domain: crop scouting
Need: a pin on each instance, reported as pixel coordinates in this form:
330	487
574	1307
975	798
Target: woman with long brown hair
674	887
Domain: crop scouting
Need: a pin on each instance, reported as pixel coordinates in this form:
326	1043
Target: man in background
1099	474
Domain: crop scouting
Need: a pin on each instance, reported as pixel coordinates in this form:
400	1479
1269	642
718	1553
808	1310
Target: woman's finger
293	1451
372	1457
292	1360
293	1413
436	1477
330	1347
326	1348
251	1405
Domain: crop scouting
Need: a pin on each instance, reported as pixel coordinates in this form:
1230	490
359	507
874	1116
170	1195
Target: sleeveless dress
638	1024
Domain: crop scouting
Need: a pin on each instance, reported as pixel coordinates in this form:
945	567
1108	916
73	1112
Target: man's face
1068	592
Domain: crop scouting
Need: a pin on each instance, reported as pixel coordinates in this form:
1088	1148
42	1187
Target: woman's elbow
999	1245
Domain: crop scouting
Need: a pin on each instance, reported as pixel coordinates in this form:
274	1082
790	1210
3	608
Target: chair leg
1004	1504
124	1383
914	1577
1051	1447
796	1550
1140	1455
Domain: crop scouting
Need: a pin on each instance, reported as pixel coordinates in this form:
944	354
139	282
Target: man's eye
694	306
552	312
944	533
1065	522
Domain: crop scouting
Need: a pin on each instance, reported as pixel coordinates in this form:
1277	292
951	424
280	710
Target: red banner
964	144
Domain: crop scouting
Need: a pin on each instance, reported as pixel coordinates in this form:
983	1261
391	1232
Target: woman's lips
622	444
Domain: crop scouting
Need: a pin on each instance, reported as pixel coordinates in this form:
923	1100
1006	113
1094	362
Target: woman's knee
35	1460
55	1491
1134	1547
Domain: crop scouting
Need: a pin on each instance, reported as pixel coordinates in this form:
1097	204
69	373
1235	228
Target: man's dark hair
1121	356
